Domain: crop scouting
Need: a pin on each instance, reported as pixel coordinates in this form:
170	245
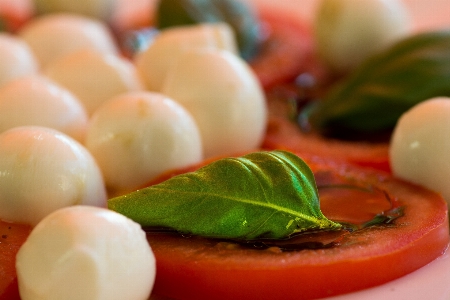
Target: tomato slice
12	236
288	49
195	268
285	134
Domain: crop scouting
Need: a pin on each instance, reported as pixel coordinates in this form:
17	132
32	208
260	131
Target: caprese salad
221	149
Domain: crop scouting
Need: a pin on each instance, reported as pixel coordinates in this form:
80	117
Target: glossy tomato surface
195	268
12	236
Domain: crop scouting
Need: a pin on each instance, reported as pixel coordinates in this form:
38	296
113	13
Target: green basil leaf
260	195
236	13
386	85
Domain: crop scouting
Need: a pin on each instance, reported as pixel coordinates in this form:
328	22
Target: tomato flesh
194	268
12	236
289	49
283	132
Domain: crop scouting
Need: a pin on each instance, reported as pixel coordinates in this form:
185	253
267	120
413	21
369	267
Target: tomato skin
12	236
199	269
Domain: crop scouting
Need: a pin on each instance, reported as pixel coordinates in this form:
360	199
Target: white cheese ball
55	35
16	58
94	77
137	136
225	98
42	170
420	145
154	62
35	100
348	31
100	9
87	253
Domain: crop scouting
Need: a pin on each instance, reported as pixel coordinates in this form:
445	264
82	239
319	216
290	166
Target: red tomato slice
283	133
287	49
194	268
12	236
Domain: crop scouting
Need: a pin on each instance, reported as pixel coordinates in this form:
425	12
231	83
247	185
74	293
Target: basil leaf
260	195
236	13
387	85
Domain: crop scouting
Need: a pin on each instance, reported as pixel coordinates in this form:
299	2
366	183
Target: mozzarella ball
16	58
42	170
420	145
35	100
84	252
137	136
154	62
54	35
100	9
349	31
94	77
224	97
